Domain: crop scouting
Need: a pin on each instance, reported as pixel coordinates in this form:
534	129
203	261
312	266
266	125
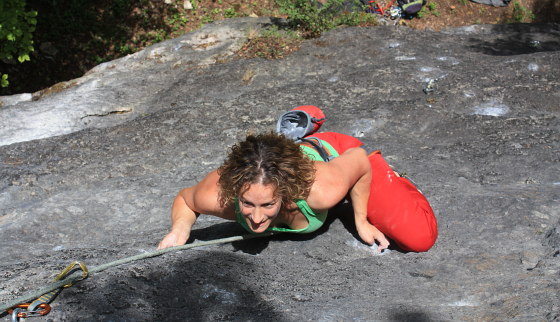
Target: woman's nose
256	215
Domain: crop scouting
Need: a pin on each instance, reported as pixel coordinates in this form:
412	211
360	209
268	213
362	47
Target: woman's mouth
256	226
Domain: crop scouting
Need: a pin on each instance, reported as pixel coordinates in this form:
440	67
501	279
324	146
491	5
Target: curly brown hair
267	159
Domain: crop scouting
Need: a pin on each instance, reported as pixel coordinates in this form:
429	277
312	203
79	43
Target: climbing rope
64	279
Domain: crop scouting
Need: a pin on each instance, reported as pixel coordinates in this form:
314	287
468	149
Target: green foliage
361	18
275	32
177	20
206	19
4	80
433	6
312	18
521	14
230	13
429	8
16	33
422	13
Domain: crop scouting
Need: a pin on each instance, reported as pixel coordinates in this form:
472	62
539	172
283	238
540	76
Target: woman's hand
172	239
182	220
370	234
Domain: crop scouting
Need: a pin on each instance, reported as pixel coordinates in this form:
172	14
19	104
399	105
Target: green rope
77	276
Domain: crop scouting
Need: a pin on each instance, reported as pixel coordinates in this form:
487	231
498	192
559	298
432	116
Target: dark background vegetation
72	36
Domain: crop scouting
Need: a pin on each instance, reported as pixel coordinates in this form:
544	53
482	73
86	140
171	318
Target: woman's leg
399	210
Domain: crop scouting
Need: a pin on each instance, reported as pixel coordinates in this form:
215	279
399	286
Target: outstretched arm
349	173
182	220
189	204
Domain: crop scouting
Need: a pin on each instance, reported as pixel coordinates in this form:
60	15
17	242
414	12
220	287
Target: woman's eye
269	205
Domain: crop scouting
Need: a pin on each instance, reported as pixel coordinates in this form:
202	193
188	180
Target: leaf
4	80
24	57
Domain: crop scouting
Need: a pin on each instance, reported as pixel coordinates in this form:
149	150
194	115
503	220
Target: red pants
399	210
395	205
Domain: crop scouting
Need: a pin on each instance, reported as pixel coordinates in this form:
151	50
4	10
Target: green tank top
314	155
315	220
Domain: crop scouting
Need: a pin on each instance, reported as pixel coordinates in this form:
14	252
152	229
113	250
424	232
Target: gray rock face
123	87
89	173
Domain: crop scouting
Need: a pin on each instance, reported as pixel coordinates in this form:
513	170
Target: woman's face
259	206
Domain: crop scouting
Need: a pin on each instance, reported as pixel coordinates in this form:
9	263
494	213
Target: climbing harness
20	309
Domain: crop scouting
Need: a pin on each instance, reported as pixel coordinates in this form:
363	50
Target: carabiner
20	311
65	271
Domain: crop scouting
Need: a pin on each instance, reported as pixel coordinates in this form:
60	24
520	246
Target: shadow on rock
252	246
257	245
552	238
410	315
208	287
345	213
230	229
521	39
216	231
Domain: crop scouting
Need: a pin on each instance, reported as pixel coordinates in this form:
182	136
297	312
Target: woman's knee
421	234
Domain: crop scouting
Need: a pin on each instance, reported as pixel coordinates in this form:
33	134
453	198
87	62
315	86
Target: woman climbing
287	182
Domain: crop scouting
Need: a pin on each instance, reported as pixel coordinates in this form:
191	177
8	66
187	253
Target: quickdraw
41	306
65	279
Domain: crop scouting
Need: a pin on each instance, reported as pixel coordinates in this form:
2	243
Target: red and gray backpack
300	123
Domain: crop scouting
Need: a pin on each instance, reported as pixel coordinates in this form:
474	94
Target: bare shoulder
204	197
334	179
327	189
